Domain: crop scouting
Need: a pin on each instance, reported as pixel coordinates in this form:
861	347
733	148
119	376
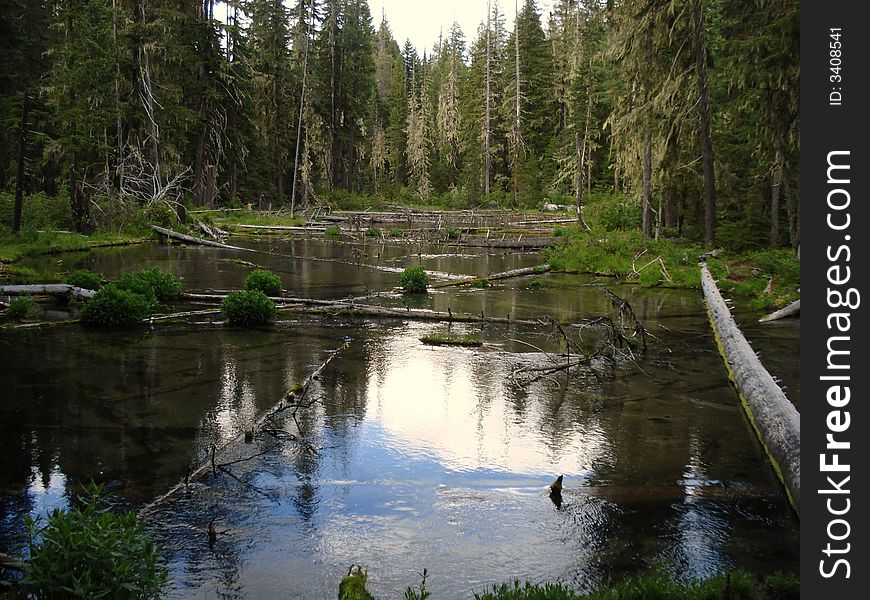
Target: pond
411	457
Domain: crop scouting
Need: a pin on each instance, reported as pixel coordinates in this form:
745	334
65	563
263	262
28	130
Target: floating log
47	289
789	311
536	270
776	421
308	305
278	227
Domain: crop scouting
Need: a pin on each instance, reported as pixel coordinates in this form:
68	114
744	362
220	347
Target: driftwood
189	239
278	227
47	289
789	311
314	306
776	421
209	464
537	270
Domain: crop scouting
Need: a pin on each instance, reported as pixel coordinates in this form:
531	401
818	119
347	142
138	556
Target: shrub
395	232
373	232
480	282
452	233
84	279
152	283
92	552
332	231
114	306
414	280
265	281
248	307
22	307
160	213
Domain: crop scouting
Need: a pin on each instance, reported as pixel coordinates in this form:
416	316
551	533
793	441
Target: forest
679	117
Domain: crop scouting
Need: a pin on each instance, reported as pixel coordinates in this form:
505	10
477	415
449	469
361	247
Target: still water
412	456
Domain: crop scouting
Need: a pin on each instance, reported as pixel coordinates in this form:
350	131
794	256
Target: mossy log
47	289
776	421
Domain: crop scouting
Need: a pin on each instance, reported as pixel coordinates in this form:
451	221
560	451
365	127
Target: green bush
84	279
22	307
152	283
161	214
373	232
92	552
480	282
248	307
452	233
265	281
414	280
332	231
114	306
38	211
395	232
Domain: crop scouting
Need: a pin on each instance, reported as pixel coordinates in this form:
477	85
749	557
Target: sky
422	20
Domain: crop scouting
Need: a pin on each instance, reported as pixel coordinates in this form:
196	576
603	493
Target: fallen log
47	289
776	421
189	239
536	270
278	227
305	305
789	311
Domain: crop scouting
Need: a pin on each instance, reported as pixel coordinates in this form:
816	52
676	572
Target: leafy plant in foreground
92	552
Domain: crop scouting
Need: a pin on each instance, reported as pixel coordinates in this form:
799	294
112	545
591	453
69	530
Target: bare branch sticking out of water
210	463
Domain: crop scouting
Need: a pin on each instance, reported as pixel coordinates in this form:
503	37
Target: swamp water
413	456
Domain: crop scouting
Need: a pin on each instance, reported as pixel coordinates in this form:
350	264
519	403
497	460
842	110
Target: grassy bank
766	278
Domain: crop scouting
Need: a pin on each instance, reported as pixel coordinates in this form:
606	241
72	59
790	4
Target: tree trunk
486	156
22	155
299	122
794	233
706	136
581	156
776	187
646	188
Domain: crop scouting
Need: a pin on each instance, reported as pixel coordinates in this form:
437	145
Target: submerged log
47	289
776	421
789	311
209	464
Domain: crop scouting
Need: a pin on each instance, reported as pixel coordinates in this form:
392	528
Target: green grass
656	585
447	340
31	243
634	257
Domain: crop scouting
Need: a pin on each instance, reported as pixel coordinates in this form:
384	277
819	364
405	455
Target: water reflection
412	457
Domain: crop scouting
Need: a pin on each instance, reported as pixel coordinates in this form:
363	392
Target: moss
480	282
332	231
373	232
446	340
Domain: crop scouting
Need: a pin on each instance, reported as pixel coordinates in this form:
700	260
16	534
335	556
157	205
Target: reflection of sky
435	401
47	494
